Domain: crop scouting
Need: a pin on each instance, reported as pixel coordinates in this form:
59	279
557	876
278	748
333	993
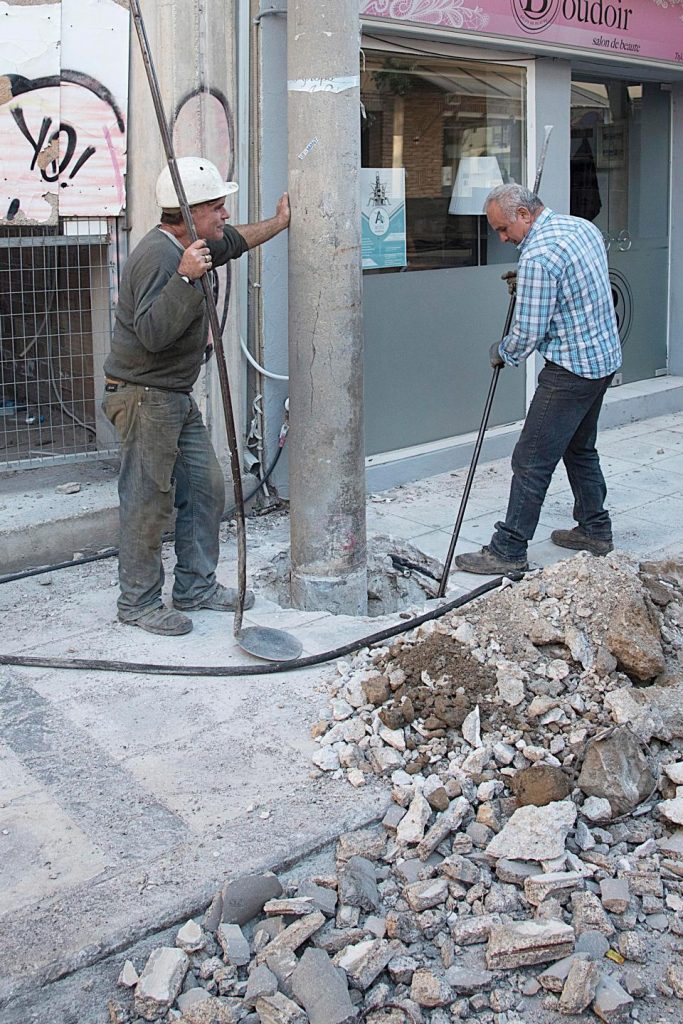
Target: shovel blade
269	644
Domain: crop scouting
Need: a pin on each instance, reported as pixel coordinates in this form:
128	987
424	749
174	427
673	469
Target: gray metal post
327	472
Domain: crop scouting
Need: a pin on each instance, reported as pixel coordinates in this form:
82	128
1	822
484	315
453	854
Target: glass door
620	158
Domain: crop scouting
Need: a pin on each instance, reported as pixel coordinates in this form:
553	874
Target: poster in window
383	210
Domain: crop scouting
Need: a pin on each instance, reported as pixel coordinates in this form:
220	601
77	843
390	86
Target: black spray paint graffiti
222	100
70	160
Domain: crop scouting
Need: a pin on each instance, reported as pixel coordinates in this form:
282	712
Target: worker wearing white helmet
157	350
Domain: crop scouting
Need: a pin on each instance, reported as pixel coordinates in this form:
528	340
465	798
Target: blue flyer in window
383	207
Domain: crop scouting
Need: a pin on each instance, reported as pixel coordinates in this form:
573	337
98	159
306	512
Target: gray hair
510	197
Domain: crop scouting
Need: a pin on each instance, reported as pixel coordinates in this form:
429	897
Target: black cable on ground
112	552
141	668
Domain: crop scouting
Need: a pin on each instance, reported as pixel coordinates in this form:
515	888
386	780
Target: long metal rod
488	405
212	311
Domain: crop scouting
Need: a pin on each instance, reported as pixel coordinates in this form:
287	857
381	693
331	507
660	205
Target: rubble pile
530	864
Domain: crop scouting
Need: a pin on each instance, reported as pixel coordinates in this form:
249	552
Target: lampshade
476	176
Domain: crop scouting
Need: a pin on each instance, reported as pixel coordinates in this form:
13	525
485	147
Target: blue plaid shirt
564	298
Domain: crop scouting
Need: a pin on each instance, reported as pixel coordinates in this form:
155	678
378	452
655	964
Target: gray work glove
495	357
510	278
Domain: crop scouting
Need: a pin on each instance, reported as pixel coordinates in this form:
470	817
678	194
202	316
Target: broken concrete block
323	898
588	914
193	997
428	989
616	768
596	809
515	872
296	906
615	894
672	810
234	945
293	936
537	888
580	987
633	946
611	1003
468	931
128	978
423	895
244	898
445	824
365	960
262	982
522	943
278	1009
160	982
466	982
411	828
322	989
358	884
535	833
191	937
634	639
674	977
553	978
209	1011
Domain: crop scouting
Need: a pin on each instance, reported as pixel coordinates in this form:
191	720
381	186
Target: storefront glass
454	129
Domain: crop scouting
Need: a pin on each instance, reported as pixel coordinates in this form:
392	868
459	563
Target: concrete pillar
676	235
327	479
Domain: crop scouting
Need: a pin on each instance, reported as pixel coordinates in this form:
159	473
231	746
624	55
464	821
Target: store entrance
620	148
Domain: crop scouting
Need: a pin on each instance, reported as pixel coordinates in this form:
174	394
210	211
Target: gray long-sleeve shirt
161	324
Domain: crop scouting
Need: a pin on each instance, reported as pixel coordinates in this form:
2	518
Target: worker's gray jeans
166	459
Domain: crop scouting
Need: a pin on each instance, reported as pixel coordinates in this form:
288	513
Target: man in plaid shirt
565	312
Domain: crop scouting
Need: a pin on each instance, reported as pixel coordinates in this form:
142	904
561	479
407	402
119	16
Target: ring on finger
207	258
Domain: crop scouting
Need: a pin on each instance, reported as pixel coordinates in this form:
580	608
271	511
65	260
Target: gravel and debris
530	864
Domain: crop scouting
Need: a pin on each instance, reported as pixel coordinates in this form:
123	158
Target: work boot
222	599
487	563
577	540
163	621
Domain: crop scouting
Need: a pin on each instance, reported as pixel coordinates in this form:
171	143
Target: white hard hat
201	179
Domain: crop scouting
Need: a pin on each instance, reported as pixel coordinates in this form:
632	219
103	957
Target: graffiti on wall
63	102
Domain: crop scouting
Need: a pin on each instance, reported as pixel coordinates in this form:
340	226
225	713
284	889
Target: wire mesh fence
57	294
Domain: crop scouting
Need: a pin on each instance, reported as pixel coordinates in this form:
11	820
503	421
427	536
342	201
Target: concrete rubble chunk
293	936
616	768
365	960
323	899
466	982
358	884
523	943
366	842
411	828
191	937
262	982
283	964
128	978
611	1004
322	989
674	977
553	978
649	711
615	894
471	728
597	809
580	987
430	990
160	982
295	906
589	915
234	945
555	883
634	639
193	997
245	897
278	1009
672	810
423	895
445	824
469	931
208	1011
515	872
535	833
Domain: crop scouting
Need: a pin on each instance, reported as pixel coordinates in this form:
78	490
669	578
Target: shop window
452	129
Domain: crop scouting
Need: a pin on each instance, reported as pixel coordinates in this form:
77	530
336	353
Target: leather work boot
163	621
577	540
222	599
488	563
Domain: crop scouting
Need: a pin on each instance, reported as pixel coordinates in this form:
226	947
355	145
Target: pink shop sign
650	29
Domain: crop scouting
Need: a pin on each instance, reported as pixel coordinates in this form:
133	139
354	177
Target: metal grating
57	293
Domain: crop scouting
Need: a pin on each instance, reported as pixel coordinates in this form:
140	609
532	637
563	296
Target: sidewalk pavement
127	800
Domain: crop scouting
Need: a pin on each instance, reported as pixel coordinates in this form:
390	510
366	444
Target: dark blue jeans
562	423
166	459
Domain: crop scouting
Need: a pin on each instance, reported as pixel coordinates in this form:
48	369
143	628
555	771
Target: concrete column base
347	595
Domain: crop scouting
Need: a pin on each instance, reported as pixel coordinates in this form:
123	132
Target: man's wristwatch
183	277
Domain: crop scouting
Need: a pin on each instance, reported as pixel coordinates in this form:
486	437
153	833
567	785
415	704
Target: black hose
141	668
112	552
